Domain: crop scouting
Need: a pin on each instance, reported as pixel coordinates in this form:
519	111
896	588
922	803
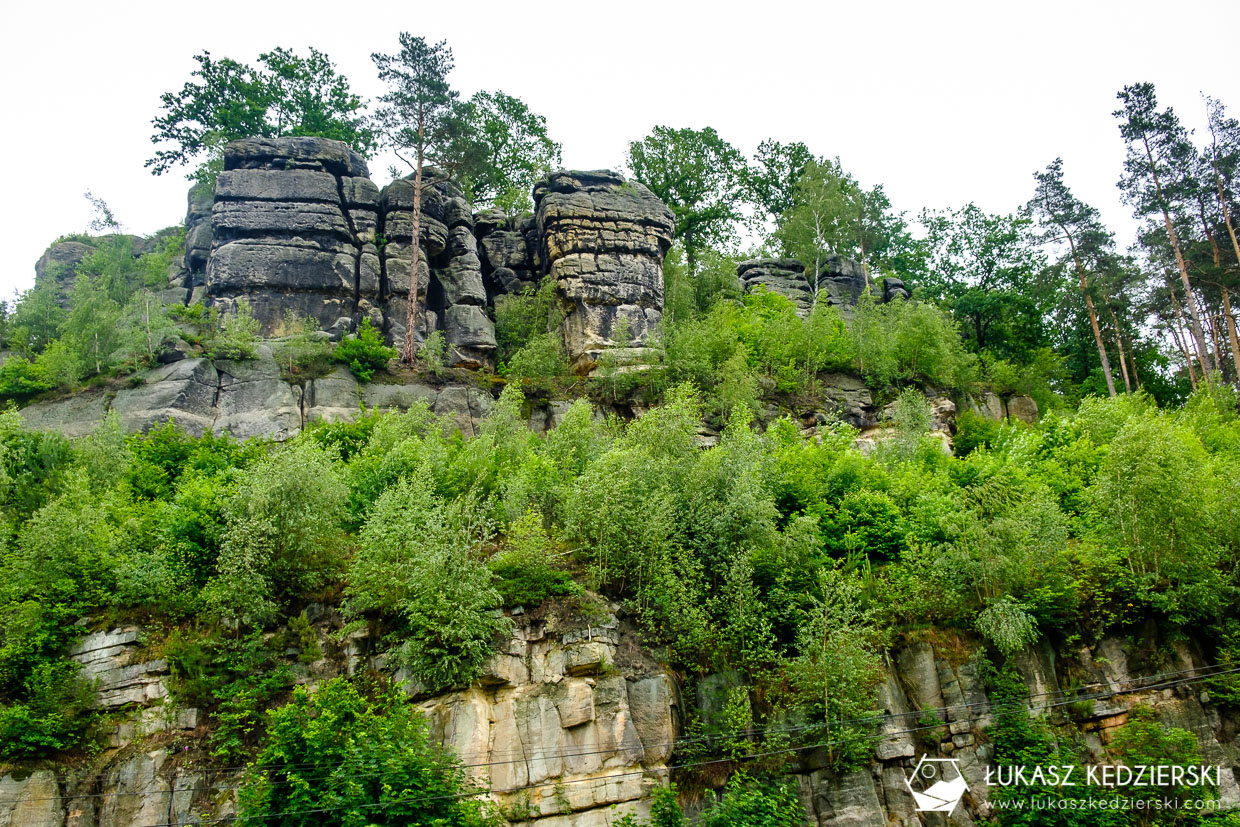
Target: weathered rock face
450	286
247	399
604	240
785	276
842	281
292	228
998	408
295	224
564	710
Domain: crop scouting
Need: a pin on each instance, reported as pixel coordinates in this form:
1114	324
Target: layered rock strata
604	240
292	230
841	281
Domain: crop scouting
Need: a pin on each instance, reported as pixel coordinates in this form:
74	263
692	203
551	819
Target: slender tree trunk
1093	314
1119	346
1181	337
1132	360
1212	326
409	352
1231	332
1194	313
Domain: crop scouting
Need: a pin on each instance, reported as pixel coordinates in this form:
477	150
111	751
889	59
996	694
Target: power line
873	719
692	764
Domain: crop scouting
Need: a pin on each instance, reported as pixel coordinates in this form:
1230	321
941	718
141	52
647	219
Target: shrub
364	352
20	378
522	316
305	350
433	352
1008	625
238	337
539	360
416	563
335	750
283	535
55	714
524	569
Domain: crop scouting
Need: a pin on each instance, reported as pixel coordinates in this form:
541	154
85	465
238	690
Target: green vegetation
364	351
361	756
288	95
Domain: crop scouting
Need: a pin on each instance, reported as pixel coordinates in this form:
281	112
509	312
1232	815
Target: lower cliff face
570	725
573	725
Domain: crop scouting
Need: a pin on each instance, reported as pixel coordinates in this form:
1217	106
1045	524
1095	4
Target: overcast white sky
942	102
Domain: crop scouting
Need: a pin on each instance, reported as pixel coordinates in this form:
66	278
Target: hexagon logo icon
936	784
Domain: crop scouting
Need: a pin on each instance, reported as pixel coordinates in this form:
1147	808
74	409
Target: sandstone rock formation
295	224
604	239
292	229
571	725
785	276
450	289
842	280
247	399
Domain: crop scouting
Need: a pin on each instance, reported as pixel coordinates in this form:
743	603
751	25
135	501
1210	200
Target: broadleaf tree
699	176
506	150
228	100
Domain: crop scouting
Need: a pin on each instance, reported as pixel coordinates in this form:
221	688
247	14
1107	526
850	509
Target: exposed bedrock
293	228
841	282
604	239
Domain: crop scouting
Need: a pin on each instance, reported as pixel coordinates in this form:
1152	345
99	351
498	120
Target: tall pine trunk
1235	246
1093	314
1181	336
409	351
1198	331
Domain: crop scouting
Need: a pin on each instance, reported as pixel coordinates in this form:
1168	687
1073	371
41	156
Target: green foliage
904	341
525	568
433	351
745	802
1157	497
699	176
283	538
521	317
304	351
227	101
21	378
238	336
832	214
539	360
335	756
1008	625
505	151
54	714
417	562
364	352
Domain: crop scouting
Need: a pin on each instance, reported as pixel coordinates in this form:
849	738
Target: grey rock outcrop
604	240
247	399
785	276
841	281
292	229
450	284
560	709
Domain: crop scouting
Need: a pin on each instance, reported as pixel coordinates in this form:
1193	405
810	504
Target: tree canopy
227	100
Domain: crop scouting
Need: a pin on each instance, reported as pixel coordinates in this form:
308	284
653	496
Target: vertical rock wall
604	239
297	225
292	229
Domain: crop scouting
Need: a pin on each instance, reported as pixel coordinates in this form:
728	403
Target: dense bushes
353	758
787	560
